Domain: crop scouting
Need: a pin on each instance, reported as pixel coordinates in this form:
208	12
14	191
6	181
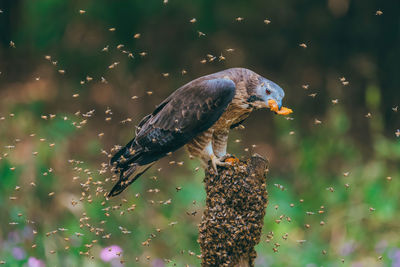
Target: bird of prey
199	115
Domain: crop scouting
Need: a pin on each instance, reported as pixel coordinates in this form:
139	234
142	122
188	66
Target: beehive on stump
233	217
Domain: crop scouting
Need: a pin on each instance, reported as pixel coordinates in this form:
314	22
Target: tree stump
234	214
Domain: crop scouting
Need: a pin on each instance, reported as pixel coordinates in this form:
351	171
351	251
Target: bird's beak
280	105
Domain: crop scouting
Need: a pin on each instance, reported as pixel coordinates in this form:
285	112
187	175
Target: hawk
199	116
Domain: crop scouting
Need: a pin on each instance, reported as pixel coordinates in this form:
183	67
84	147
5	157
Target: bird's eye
267	91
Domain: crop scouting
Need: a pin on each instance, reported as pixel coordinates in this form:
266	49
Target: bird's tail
125	155
128	176
125	163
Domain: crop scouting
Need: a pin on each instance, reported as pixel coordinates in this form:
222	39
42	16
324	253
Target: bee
81	11
267	21
193	20
136	35
303	45
379	13
105	49
113	65
313	95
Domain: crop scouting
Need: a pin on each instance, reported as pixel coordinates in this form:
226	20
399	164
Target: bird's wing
186	113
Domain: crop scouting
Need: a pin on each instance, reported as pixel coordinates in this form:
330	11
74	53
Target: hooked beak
280	105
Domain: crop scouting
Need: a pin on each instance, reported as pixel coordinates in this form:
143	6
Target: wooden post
233	217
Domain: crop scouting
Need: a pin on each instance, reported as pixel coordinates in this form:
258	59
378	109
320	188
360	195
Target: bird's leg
202	147
220	142
215	161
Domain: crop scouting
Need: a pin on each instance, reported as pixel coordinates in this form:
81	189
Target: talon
214	163
218	162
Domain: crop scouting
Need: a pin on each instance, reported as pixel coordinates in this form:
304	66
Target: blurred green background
69	70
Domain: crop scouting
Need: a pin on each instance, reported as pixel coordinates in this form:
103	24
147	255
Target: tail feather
120	158
135	170
125	163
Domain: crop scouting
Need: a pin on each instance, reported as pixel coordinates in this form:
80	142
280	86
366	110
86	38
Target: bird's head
264	93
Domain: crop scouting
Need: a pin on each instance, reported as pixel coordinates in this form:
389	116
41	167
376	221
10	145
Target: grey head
264	91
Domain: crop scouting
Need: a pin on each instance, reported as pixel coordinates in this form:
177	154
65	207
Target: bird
197	115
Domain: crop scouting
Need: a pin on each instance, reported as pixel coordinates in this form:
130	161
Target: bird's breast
235	112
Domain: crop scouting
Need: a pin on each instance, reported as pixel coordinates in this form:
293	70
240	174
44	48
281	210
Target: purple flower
157	263
18	253
33	262
109	253
348	248
14	237
395	256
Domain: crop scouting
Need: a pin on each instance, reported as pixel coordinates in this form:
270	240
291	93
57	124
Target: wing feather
186	113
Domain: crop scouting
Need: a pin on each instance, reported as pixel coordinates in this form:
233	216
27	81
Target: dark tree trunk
233	218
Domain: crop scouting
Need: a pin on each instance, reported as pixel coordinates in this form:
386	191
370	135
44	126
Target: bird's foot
215	161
